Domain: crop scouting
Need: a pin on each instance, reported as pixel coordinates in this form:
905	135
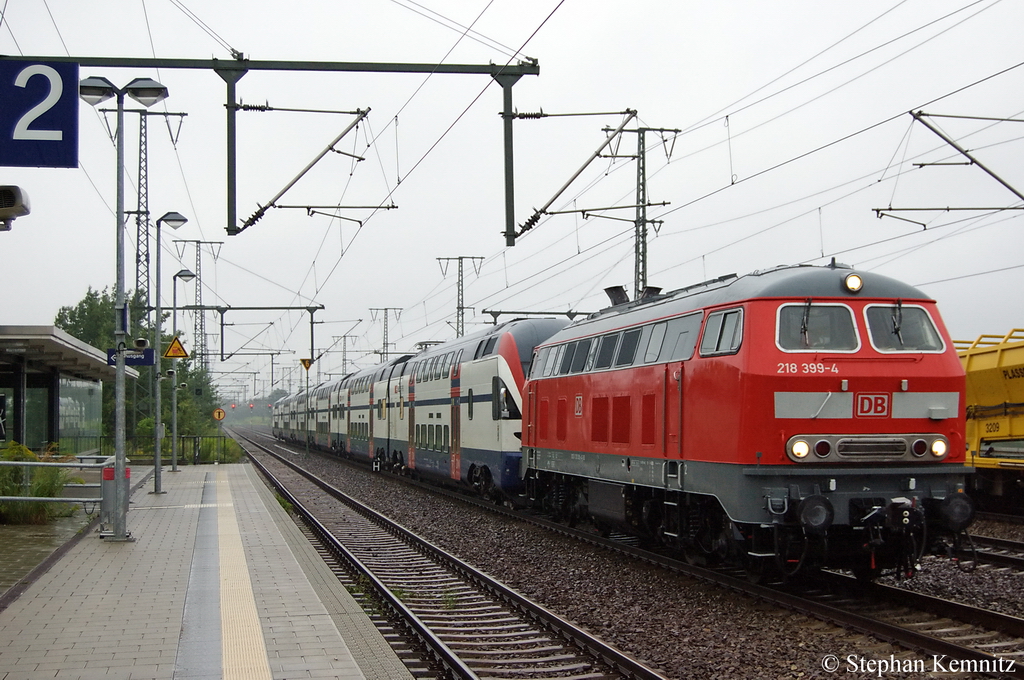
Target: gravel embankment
684	628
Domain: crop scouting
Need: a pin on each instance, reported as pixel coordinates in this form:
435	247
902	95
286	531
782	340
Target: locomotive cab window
681	337
723	333
655	343
606	352
579	359
551	360
902	328
810	327
567	355
627	348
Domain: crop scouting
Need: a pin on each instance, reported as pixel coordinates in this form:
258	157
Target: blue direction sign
133	357
38	114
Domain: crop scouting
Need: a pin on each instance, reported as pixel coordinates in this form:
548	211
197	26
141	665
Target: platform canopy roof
50	347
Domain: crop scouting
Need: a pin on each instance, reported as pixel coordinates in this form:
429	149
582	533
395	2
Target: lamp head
185	275
173	220
96	90
146	91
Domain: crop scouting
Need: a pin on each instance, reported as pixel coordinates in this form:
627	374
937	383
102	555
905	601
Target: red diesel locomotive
793	418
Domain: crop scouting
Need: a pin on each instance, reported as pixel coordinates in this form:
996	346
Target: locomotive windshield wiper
805	322
897	320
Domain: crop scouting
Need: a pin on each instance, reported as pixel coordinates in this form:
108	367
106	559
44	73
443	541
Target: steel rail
893	633
441	652
624	665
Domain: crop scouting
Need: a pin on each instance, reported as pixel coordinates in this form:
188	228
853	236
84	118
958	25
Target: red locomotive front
809	415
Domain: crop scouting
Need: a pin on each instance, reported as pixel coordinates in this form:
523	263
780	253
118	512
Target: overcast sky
794	128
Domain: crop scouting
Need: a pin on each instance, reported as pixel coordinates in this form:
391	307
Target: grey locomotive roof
797	281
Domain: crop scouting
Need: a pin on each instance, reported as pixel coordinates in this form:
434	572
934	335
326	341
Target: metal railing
192	449
55	499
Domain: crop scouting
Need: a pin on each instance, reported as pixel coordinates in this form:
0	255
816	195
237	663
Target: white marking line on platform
243	650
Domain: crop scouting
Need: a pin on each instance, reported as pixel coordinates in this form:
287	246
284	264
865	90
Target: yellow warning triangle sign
306	363
175	350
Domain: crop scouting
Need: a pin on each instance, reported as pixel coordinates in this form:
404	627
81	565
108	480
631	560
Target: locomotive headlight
801	448
939	448
853	283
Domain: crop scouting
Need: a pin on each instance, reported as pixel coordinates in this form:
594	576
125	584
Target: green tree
92	322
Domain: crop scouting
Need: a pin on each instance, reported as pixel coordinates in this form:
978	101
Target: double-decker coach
802	416
453	412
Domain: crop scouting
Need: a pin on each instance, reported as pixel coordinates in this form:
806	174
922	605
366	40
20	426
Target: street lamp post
186	276
174	221
147	92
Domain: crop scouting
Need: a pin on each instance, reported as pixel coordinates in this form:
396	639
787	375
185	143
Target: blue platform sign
38	114
133	357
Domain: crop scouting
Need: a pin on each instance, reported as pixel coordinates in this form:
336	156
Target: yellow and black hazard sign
175	350
306	363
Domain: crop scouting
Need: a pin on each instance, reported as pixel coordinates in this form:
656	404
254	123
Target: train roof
786	281
527	332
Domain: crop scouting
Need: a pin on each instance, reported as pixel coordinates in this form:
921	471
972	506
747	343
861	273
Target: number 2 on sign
794	368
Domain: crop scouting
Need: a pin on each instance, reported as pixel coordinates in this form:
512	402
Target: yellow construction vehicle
995	419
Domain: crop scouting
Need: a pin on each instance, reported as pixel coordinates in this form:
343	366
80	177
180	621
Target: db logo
872	405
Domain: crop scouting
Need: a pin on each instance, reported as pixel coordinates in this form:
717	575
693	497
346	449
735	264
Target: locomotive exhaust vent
887	446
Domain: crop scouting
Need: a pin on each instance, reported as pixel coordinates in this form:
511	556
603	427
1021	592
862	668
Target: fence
28	465
192	450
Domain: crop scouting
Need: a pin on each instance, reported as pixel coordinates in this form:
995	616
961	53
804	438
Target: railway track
935	628
998	551
469	625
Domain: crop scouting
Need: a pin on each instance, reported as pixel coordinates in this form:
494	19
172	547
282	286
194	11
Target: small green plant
400	593
449	599
283	502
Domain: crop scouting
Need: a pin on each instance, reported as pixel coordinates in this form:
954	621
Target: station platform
218	582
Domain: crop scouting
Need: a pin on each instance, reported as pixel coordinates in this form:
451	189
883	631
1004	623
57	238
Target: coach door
456	408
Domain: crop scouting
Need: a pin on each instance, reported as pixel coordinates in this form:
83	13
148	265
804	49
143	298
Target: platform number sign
38	114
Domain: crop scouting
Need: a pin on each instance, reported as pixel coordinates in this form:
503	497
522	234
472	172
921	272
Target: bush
33	481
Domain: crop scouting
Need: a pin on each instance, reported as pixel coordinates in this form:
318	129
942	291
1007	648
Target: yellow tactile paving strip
243	650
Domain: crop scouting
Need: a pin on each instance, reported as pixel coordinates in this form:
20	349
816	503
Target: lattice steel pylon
199	344
144	389
460	308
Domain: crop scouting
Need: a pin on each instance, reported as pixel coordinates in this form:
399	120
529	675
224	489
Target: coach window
579	360
627	348
489	347
446	370
808	327
469	404
902	328
722	333
503	406
445	447
606	352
